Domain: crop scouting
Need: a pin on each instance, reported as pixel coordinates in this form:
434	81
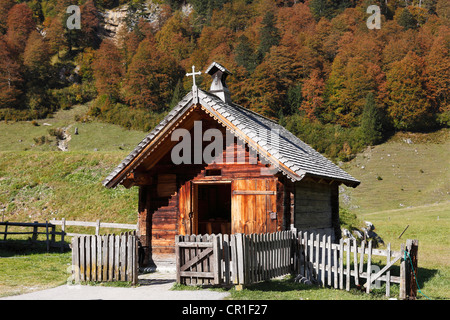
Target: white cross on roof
193	74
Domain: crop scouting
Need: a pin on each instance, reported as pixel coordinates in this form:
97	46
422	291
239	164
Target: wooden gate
236	259
198	259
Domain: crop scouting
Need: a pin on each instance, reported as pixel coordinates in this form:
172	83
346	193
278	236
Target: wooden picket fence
241	259
337	264
105	258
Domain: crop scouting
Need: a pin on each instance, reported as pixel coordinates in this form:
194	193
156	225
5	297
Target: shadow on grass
283	285
10	248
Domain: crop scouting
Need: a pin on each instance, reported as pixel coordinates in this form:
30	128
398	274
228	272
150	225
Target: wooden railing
49	232
97	225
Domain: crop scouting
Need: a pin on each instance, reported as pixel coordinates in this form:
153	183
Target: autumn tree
443	10
151	77
312	92
108	69
10	76
89	25
438	73
36	56
407	103
175	37
54	31
127	42
355	72
20	24
5	6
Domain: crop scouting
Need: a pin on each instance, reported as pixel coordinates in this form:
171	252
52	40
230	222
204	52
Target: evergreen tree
371	122
244	54
178	94
294	99
269	34
407	20
321	8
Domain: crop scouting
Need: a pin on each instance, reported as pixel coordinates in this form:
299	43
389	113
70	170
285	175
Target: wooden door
254	206
185	204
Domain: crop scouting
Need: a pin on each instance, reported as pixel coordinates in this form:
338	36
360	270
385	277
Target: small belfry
219	87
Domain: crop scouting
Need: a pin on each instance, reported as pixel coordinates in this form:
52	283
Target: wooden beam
379	273
254	192
140	178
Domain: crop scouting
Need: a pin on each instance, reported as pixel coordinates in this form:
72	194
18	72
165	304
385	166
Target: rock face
112	20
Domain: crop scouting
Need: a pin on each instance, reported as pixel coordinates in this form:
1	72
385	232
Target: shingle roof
289	154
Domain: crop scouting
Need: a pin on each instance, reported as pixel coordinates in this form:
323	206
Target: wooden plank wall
314	207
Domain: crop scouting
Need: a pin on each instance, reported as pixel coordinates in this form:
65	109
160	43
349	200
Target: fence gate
198	259
105	258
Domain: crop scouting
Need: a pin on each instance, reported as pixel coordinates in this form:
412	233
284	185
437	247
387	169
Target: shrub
58	133
107	110
334	141
39	141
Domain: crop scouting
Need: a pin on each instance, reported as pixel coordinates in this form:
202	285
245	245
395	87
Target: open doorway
214	208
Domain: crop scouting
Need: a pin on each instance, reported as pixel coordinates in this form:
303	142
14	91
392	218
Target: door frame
194	199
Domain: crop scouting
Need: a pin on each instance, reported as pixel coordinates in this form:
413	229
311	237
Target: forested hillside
314	65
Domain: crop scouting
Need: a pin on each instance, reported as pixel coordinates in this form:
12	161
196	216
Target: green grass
51	184
27	267
411	174
429	224
19	136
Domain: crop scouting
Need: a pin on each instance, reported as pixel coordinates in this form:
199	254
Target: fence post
411	269
97	227
402	294
46	232
240	258
35	233
217	260
63	233
369	266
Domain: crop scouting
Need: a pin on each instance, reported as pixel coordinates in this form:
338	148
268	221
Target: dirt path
153	286
63	144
